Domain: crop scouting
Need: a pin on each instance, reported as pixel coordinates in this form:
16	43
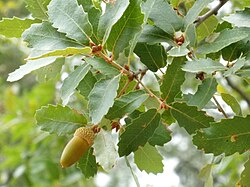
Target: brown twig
220	107
239	91
213	11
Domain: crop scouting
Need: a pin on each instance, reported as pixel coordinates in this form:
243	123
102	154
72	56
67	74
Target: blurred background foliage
30	157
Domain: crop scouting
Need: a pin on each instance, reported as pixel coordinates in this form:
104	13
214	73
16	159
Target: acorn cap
86	134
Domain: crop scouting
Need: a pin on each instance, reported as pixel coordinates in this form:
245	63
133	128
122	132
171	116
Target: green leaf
87	164
148	159
178	51
73	80
234	51
105	150
50	72
161	136
101	98
153	56
232	102
203	65
94	15
87	84
126	104
112	14
29	67
244	181
173	80
65	52
138	132
206	28
125	29
58	119
124	81
71	19
102	66
225	38
204	93
38	8
164	17
153	35
240	18
195	10
44	38
206	175
228	136
14	27
190	118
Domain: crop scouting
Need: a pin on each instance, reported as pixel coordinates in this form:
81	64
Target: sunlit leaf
101	98
14	27
105	150
38	8
148	159
58	119
71	19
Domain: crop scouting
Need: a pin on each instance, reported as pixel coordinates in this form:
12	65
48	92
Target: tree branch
239	91
213	11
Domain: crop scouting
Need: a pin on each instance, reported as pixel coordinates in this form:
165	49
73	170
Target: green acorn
83	139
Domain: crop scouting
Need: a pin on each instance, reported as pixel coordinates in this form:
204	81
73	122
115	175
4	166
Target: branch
239	91
213	11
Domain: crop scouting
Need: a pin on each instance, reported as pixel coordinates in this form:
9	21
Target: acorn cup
83	139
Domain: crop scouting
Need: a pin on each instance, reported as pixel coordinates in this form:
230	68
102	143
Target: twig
220	107
123	90
239	91
213	11
132	172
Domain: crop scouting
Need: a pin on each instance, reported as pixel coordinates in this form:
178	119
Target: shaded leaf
225	38
232	102
14	27
152	35
105	150
38	8
240	18
190	118
65	52
112	14
164	17
138	132
58	119
195	10
73	80
161	136
228	136
102	66
101	98
87	84
87	164
203	65
153	56
204	93
173	80
125	29
71	19
148	159
126	104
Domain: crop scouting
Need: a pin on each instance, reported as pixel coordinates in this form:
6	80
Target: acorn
83	139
